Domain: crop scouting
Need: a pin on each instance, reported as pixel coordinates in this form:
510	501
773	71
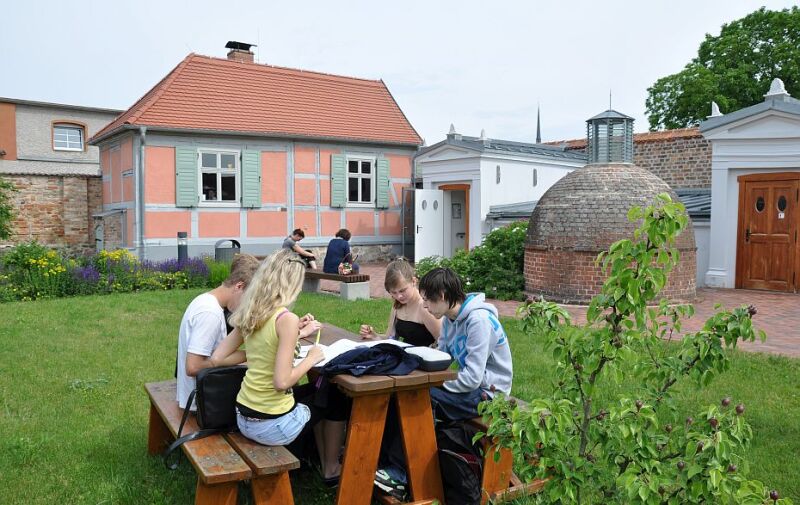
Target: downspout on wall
138	242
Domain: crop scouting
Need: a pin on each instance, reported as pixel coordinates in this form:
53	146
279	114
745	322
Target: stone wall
55	210
572	277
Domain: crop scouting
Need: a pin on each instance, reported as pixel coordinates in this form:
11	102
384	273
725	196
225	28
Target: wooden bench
221	461
499	482
351	286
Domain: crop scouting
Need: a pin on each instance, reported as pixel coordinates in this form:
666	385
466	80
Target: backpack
460	463
215	395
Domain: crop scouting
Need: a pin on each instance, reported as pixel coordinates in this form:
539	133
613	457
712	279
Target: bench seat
499	482
221	461
351	286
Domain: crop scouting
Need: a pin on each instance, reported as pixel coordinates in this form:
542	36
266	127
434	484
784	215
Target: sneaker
390	486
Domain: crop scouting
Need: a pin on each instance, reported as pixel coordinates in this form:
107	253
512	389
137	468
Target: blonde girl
408	320
266	409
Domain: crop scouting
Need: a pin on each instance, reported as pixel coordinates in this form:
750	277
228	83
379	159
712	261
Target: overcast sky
474	64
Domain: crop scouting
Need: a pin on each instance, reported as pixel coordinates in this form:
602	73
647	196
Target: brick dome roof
587	210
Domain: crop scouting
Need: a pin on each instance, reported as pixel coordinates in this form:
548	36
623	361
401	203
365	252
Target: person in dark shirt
408	321
339	252
290	243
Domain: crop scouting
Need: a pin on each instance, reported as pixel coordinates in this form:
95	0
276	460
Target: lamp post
183	247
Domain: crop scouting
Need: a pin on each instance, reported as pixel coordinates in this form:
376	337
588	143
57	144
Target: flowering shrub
31	271
610	431
495	267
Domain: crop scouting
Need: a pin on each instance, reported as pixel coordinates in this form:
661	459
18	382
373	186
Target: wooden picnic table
371	395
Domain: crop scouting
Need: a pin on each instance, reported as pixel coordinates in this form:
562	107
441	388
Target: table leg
272	489
364	435
217	494
419	443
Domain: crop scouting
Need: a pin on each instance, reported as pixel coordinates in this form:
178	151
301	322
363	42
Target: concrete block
311	285
354	290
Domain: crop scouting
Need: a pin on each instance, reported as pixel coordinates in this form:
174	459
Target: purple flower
87	274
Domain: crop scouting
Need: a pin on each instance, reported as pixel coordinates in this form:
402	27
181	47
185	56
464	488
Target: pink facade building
232	149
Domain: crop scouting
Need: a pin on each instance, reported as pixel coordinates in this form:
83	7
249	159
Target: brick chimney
240	51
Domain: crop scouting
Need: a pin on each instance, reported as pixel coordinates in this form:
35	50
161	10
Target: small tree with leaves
610	432
6	208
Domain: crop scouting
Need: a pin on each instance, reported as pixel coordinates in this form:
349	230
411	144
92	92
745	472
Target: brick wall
572	277
682	158
55	211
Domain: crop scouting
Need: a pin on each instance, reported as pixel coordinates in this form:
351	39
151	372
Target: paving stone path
778	313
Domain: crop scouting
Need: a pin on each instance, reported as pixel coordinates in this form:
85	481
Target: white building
462	177
755	194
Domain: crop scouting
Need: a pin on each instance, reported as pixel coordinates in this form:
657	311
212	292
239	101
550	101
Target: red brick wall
55	211
572	277
681	161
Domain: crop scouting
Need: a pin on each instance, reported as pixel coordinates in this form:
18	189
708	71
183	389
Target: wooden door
769	217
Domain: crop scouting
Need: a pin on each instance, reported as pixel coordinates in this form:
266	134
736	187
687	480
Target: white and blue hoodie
477	341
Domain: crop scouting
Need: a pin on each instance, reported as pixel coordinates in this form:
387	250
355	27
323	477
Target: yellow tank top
258	391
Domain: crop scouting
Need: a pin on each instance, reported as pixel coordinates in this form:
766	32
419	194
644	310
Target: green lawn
74	414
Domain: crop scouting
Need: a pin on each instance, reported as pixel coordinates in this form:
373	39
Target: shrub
32	271
610	432
495	267
218	271
6	208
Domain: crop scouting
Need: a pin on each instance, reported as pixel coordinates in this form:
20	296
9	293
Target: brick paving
778	313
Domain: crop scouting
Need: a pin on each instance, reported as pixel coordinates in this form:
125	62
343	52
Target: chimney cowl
240	51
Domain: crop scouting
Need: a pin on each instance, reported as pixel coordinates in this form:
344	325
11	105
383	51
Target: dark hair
442	283
344	233
299	233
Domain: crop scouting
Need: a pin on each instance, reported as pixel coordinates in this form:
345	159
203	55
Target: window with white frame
219	176
67	137
360	180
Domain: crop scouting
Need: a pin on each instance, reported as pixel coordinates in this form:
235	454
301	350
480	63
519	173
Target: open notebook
342	346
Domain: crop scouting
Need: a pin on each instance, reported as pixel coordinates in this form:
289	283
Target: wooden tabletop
377	384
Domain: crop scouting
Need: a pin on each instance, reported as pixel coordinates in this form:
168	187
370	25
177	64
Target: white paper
342	346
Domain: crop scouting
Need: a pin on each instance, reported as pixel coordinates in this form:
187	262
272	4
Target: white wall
702	238
516	181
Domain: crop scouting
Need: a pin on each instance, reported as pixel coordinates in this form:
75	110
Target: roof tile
207	93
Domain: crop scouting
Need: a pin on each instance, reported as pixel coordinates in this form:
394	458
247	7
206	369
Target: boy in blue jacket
473	335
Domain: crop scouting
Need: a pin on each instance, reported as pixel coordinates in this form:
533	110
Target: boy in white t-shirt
203	326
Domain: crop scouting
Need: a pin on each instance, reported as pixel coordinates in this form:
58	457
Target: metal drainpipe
139	240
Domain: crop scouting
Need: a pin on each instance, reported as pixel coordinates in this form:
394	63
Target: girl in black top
408	321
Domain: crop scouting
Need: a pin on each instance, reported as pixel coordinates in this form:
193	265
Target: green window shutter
251	179
382	184
187	192
338	180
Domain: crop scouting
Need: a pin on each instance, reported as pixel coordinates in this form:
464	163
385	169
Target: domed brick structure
583	214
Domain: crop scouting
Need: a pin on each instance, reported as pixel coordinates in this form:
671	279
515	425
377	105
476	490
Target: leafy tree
610	432
733	69
6	208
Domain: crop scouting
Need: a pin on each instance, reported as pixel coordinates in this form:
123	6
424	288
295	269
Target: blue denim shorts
280	431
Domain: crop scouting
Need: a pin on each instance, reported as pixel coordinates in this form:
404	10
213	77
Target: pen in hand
319	331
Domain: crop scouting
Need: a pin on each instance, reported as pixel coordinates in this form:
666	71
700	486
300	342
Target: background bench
351	287
221	461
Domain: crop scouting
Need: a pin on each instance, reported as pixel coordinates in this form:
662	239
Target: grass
73	414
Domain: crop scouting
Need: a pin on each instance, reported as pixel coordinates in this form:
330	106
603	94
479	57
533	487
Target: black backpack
215	394
460	462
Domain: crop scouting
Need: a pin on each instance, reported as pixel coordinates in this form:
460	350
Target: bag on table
215	395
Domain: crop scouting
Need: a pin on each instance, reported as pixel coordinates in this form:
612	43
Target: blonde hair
276	283
398	270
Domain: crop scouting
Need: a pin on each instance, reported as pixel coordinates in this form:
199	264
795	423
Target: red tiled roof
679	133
204	93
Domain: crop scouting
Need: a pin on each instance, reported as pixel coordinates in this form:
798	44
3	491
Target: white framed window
67	137
360	181
219	176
